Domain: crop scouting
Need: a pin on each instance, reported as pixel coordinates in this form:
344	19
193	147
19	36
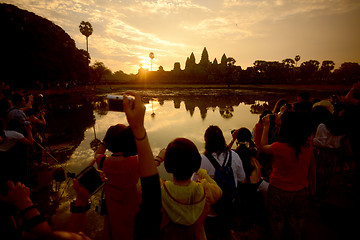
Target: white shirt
323	138
12	137
236	165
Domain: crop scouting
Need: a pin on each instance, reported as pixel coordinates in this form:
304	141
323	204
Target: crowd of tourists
22	123
265	180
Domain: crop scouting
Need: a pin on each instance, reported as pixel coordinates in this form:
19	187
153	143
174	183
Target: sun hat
325	103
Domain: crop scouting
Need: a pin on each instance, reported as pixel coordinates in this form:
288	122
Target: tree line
226	72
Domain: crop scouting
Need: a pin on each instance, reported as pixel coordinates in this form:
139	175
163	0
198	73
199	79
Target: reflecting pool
183	113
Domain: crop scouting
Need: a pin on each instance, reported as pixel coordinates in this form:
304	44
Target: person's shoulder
12	133
234	155
203	157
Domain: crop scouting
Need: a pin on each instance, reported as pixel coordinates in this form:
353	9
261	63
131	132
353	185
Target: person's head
182	158
214	140
321	114
17	99
120	138
303	97
263	114
295	129
325	103
244	135
281	102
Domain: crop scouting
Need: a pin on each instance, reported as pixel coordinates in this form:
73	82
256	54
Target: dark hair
319	114
281	102
334	124
295	129
263	114
246	152
243	135
304	96
214	140
119	138
182	158
17	99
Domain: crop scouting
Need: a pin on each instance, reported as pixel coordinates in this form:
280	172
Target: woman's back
290	171
122	198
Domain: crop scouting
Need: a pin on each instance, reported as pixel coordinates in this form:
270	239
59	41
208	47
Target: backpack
224	177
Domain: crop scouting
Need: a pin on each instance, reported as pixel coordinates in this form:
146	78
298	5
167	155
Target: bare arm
19	195
135	115
234	134
349	98
77	221
264	137
29	140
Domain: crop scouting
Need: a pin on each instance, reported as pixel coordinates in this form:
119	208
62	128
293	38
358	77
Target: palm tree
297	58
151	55
86	29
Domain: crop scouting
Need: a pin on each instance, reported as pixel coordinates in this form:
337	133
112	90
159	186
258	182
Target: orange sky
125	32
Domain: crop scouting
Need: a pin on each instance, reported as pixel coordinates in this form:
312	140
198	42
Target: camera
90	179
115	102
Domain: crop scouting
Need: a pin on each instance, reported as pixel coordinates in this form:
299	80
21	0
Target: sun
146	63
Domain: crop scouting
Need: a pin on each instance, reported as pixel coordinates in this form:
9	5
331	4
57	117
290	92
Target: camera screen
90	179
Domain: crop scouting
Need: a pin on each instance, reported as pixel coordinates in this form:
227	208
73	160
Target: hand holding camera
82	194
90	179
116	102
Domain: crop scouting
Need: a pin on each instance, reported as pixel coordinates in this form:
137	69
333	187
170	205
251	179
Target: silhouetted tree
288	70
34	49
348	72
99	71
151	56
86	30
308	69
326	67
288	62
297	58
230	69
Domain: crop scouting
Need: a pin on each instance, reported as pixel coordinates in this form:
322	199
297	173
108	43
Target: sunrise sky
126	31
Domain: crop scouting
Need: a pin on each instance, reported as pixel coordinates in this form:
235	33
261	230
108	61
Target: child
186	203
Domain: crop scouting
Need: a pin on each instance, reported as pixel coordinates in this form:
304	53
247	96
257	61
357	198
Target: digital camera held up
115	102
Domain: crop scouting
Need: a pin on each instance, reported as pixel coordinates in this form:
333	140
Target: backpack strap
216	163
213	161
228	163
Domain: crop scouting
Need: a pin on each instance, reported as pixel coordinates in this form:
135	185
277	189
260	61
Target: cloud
126	31
166	7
